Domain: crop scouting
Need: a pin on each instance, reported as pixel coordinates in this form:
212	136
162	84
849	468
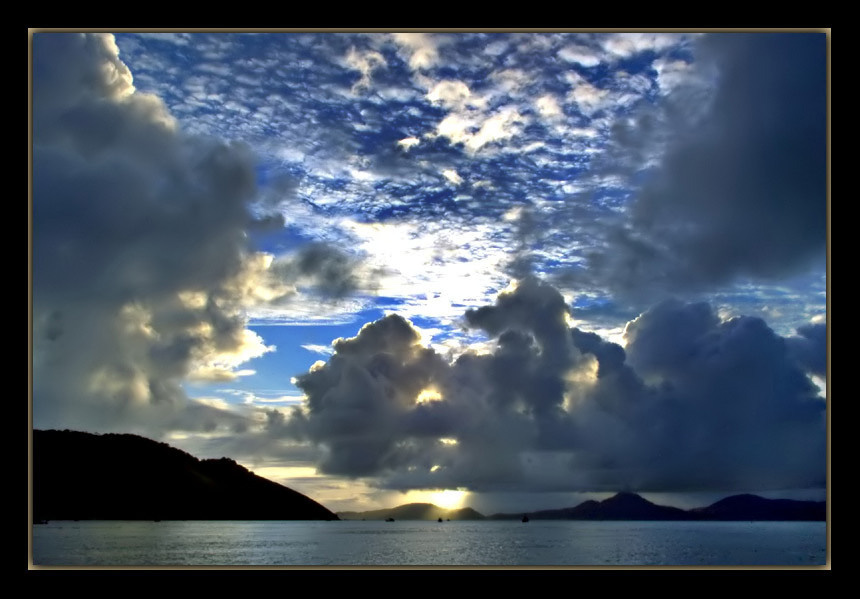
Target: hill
630	506
753	507
622	506
83	476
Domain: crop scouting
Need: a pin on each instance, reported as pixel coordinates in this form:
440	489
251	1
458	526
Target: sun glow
449	499
428	395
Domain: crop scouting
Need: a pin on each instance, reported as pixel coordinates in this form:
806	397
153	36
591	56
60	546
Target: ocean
463	543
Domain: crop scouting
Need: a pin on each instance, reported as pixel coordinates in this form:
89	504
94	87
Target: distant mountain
630	506
414	511
82	476
753	507
623	506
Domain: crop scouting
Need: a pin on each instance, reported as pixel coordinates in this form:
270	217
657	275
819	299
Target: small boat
440	519
525	518
389	519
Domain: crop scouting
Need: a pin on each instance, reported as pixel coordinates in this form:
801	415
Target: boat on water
440	519
525	518
389	519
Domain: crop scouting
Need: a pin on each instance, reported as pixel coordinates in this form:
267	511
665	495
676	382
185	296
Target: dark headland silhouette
83	476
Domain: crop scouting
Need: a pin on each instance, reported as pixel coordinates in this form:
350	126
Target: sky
505	270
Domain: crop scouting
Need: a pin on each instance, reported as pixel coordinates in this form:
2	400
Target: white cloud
456	128
509	81
452	176
421	48
319	349
452	95
548	106
625	45
408	142
214	365
586	96
582	55
671	73
502	125
365	63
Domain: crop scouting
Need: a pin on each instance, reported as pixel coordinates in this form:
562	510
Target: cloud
127	217
624	45
587	97
365	63
452	95
740	190
357	399
452	176
328	270
579	54
408	142
670	73
142	270
809	348
548	106
507	124
693	403
732	400
421	48
319	349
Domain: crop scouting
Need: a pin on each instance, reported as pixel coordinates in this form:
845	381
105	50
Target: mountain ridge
633	507
622	506
81	476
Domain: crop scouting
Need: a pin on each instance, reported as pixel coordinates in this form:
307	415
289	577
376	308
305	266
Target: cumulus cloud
693	402
137	235
357	400
141	265
732	399
740	190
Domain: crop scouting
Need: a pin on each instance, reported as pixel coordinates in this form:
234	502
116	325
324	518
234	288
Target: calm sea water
492	543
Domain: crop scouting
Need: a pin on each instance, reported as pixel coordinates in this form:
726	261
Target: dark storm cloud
731	400
741	190
357	401
694	402
328	270
809	348
141	267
